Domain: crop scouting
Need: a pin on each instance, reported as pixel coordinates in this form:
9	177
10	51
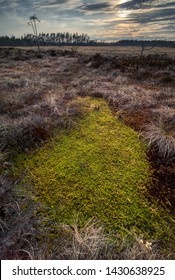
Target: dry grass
39	95
91	242
109	50
132	98
29	240
161	138
33	101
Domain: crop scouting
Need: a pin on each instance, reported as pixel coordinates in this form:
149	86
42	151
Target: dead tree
32	23
145	48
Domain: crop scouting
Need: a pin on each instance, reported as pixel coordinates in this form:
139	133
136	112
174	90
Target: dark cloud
135	4
8	4
50	3
145	4
153	16
96	7
165	5
143	11
4	4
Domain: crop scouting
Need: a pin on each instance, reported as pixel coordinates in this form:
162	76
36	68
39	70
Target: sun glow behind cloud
124	14
110	20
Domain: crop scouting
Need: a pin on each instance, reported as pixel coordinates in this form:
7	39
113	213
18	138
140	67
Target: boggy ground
40	95
97	169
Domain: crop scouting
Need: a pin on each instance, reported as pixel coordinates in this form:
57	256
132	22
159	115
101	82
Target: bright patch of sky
102	20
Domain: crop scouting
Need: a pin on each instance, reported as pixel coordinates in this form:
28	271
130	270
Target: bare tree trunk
34	27
144	48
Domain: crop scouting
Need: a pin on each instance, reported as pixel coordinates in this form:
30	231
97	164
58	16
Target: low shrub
24	133
53	53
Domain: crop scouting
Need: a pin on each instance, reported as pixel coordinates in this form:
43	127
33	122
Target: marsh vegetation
87	154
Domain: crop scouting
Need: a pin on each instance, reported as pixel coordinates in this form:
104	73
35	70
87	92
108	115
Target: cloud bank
108	20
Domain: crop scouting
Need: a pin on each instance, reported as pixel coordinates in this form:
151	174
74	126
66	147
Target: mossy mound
97	169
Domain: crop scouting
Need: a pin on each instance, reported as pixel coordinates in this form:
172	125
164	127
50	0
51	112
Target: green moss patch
97	169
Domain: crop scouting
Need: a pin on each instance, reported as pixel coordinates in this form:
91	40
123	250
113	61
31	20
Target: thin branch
144	48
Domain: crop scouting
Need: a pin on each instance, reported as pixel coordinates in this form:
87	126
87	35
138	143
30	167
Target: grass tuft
161	138
93	162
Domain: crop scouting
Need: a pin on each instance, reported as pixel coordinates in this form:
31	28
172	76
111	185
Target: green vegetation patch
97	169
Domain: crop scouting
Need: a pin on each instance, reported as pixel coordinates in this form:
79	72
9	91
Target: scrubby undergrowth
99	169
38	97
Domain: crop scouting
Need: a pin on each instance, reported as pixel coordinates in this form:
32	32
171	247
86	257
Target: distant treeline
64	38
137	43
71	39
151	43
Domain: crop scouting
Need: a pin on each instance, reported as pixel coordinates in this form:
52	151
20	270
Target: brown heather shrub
28	97
18	227
33	124
2	103
167	78
9	84
165	94
170	102
126	62
24	132
5	185
17	102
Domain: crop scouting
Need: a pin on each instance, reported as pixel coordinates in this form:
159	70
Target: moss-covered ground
96	169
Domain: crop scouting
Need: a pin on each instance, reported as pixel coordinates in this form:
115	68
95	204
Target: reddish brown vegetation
38	93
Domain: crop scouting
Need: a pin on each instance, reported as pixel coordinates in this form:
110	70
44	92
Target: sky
102	20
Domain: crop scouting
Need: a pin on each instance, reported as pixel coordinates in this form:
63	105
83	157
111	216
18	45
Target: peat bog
81	135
